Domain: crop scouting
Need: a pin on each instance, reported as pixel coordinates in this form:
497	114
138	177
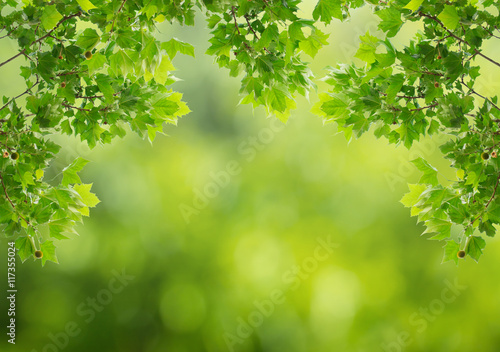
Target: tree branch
435	19
48	34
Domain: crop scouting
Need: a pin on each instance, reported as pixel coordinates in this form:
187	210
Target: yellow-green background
194	281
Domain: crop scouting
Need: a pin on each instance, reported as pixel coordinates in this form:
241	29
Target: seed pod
436	84
38	254
14	156
60	57
63	85
88	55
5	154
485	156
494	154
461	254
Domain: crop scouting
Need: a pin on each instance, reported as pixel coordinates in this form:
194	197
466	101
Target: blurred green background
197	285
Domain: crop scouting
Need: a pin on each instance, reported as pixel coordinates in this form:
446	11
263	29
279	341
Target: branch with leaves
94	66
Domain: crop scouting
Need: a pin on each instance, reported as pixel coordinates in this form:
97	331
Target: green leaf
314	42
411	198
277	99
104	84
49	252
449	17
391	21
430	173
325	10
86	5
89	198
395	85
70	172
174	46
6	212
95	63
150	54
50	17
164	107
335	106
120	62
46	64
88	39
60	227
270	34
453	64
414	5
213	20
25	248
450	252
441	227
488	228
367	48
295	31
39	174
475	247
66	127
161	72
60	196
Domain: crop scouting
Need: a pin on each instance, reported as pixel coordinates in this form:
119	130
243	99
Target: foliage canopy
94	69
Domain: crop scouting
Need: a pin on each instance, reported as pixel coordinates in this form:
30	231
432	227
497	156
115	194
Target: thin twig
94	96
13	57
74	107
250	27
235	20
5	191
254	33
425	107
479	95
20	95
114	19
270	8
405	96
69	73
416	109
491	33
12	30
